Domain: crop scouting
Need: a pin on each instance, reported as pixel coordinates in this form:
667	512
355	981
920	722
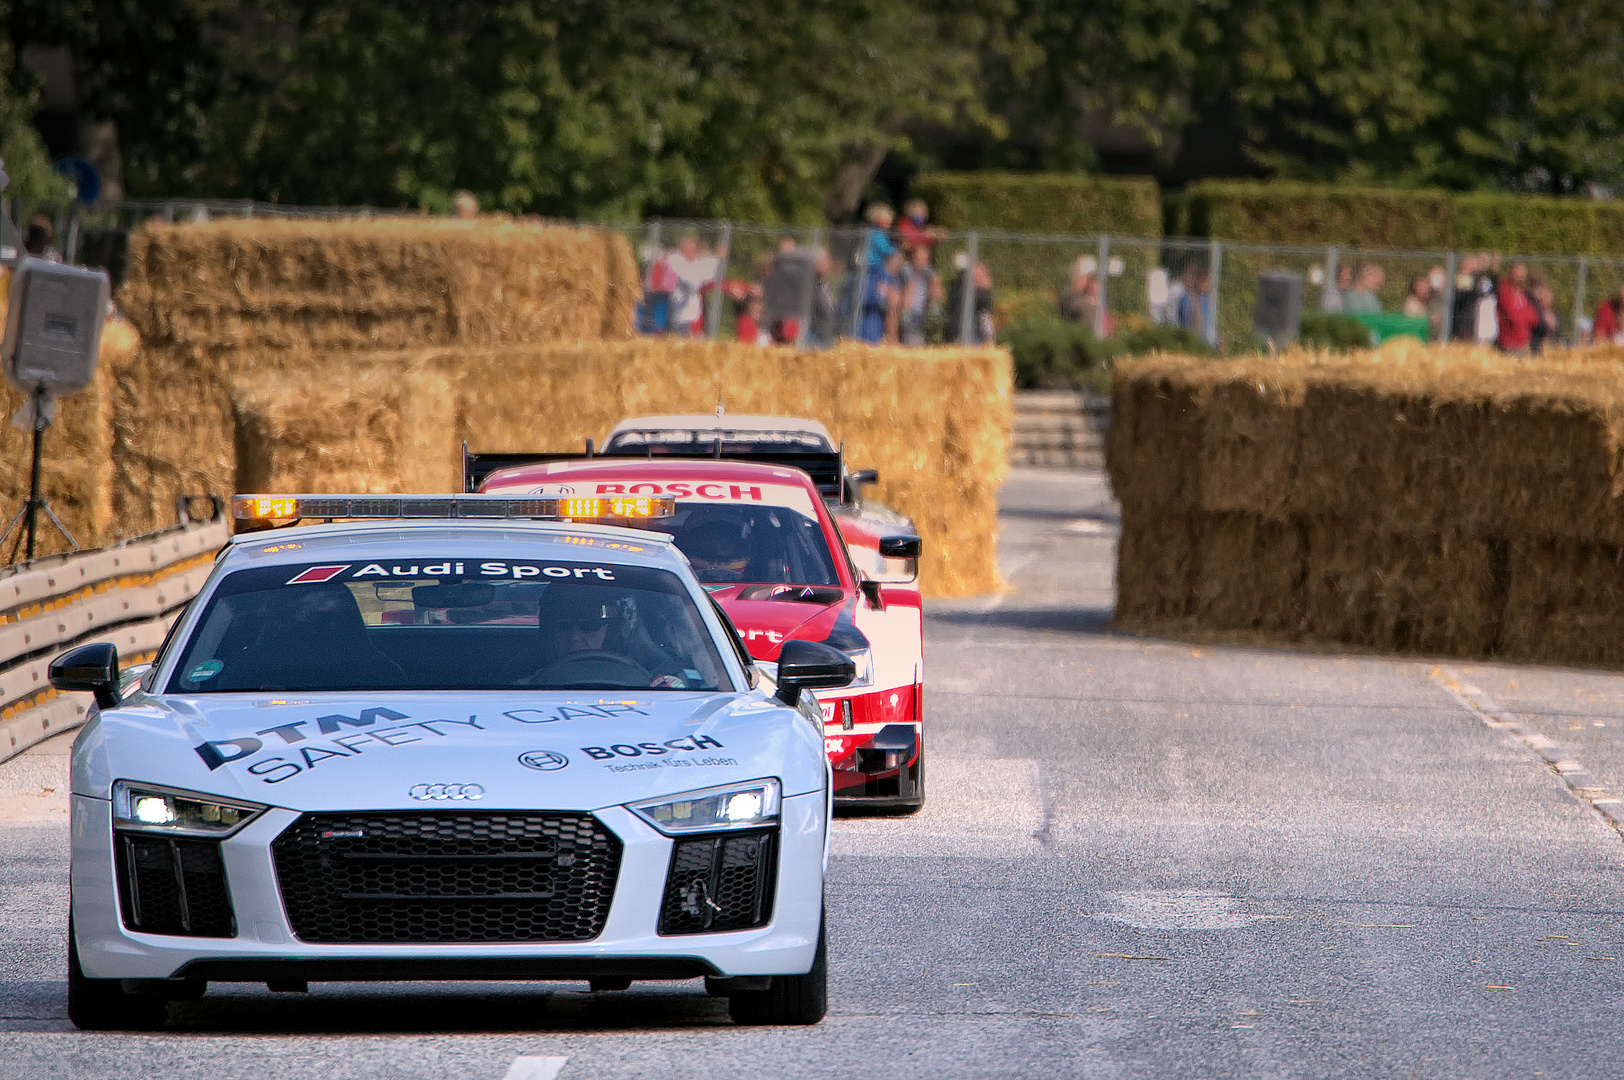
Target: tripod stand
36	502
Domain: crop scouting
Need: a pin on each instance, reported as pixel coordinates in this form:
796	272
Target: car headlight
864	661
148	808
737	806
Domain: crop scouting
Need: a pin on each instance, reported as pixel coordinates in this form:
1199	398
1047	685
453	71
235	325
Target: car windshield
729	542
449	624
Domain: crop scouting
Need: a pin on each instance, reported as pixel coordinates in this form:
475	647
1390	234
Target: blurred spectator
654	313
1437	284
982	330
1515	310
1463	320
1166	313
1335	294
1486	305
921	295
1195	308
1194	311
912	230
695	271
1367	282
464	206
1548	330
1079	299
747	327
880	294
879	216
1418	304
1609	324
821	333
38	236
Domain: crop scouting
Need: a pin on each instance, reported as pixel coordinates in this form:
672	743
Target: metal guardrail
127	594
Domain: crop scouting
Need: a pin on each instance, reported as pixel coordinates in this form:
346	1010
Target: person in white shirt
694	270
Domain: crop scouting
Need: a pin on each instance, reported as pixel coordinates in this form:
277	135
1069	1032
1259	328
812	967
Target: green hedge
1314	214
1063	204
1291	213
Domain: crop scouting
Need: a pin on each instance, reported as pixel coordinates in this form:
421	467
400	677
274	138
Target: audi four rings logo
545	760
444	792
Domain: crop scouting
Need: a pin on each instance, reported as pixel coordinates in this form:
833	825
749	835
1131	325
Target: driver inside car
718	549
581	626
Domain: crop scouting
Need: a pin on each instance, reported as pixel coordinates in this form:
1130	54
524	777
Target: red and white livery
762	539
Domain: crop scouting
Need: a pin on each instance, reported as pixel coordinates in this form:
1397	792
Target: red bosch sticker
317	574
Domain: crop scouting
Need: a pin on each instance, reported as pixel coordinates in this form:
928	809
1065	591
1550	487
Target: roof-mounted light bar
464	507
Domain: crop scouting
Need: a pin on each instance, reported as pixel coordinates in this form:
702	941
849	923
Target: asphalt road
1140	858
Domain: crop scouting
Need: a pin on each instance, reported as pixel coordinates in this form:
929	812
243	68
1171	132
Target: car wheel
102	1004
791	999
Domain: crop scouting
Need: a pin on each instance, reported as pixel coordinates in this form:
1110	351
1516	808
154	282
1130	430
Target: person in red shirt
1609	326
912	230
1515	310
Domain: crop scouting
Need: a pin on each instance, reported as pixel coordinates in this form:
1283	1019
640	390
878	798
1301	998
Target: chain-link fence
810	287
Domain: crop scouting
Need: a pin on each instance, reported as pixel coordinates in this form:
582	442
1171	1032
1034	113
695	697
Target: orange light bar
471	507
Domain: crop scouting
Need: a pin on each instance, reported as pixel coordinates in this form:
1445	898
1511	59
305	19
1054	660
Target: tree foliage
621	108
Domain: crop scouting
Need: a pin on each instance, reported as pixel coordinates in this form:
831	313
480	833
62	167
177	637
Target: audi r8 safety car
439	738
765	545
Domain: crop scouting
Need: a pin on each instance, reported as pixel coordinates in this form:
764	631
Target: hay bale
934	422
1448	500
374	429
1438	594
1564	603
385	284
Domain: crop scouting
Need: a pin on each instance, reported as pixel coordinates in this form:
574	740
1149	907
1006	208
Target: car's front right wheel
788	999
102	1004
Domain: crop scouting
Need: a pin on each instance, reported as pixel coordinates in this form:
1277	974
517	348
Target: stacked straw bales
934	422
1445	501
359	355
262	335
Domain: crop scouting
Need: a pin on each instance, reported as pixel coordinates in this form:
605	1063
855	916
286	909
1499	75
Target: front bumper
874	740
266	948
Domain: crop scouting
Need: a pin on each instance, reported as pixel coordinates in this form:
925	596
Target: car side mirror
899	547
857	481
811	665
89	668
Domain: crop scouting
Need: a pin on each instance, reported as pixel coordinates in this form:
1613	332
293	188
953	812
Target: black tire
102	1004
791	999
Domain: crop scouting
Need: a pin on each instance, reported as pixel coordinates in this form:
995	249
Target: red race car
765	544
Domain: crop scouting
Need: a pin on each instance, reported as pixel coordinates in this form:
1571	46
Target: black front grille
170	886
723	881
431	876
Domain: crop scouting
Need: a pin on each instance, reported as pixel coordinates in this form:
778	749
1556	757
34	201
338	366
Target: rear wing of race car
828	471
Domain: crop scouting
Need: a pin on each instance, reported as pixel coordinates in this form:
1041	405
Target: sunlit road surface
1140	858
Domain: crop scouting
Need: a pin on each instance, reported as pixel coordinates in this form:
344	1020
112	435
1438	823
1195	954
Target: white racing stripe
535	1068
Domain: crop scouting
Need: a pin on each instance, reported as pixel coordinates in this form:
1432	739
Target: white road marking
1578	779
535	1068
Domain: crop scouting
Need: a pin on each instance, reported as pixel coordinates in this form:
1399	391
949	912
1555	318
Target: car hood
561	751
766	624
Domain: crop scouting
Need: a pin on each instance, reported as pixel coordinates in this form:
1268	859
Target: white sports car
432	746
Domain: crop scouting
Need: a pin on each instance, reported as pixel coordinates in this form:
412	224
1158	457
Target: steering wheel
591	666
718	575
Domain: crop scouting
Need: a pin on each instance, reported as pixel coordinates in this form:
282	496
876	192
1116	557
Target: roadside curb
1578	779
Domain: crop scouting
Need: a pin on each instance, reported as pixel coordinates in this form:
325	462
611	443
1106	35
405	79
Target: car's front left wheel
789	999
102	1004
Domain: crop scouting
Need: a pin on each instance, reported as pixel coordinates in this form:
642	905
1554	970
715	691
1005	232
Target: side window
733	638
